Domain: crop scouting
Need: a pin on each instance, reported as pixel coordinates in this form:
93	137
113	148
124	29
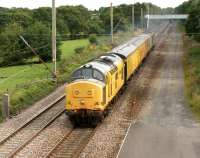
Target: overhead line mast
54	38
111	22
148	7
133	16
142	20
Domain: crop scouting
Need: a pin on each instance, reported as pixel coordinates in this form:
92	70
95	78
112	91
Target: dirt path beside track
166	128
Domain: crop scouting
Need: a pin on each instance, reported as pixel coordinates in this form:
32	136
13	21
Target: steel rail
59	143
80	146
14	152
84	144
32	119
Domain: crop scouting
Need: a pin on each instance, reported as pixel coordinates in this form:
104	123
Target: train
95	85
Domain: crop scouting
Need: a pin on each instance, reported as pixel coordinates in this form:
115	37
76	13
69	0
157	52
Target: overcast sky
91	4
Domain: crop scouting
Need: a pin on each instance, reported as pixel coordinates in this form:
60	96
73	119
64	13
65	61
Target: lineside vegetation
191	43
192	73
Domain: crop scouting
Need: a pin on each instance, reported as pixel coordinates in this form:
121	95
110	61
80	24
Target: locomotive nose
85	95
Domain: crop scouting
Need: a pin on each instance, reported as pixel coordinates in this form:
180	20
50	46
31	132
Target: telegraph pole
133	17
142	24
54	37
111	22
148	17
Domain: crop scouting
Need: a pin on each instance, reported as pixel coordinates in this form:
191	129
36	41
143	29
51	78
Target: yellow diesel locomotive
95	84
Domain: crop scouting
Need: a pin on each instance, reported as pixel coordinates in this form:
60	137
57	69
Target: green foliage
192	24
39	36
192	76
184	8
168	10
25	97
14	51
14	76
123	15
68	47
10	43
72	22
79	50
74	17
43	15
93	39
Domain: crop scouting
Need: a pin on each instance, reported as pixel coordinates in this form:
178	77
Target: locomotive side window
77	75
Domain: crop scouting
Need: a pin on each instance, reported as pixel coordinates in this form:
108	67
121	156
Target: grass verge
191	62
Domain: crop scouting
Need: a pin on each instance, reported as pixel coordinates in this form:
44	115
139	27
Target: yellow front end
85	95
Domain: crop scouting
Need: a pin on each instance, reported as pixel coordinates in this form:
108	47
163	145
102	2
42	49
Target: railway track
74	142
71	145
30	129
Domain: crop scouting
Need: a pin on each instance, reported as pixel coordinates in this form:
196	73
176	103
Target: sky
91	4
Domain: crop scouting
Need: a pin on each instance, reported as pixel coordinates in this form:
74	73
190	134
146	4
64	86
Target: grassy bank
192	74
68	47
29	83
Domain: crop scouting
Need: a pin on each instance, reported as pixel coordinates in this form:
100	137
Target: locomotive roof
105	63
127	48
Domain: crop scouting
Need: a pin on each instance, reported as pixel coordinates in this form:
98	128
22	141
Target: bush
93	39
79	50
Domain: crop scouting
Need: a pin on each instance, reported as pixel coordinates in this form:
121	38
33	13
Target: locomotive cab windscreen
88	73
87	89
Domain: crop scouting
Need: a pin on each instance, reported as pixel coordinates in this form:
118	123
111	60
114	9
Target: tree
75	18
168	10
95	25
12	49
39	37
43	15
192	24
184	8
35	26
